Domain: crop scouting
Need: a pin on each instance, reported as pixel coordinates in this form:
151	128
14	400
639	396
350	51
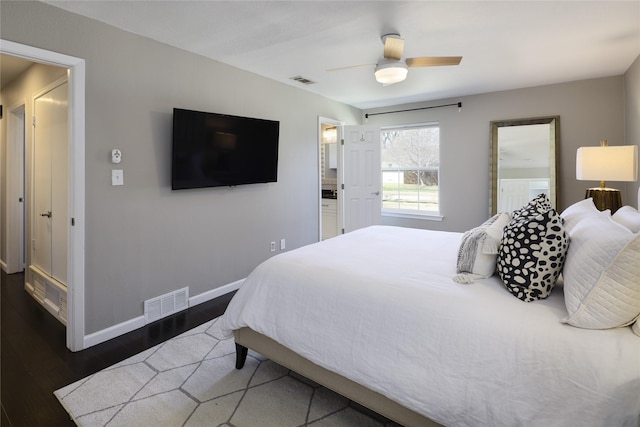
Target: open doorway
329	146
36	190
73	71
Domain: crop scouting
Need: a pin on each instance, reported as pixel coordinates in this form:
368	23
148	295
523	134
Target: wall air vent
165	305
302	80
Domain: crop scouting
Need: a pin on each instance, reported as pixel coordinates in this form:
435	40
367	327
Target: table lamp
607	163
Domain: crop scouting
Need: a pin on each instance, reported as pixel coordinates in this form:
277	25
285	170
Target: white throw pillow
479	248
629	217
579	211
602	275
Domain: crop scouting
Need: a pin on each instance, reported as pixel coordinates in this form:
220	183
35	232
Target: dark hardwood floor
36	362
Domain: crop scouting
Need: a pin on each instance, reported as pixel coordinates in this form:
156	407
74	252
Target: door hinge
342	141
73	222
343	231
34	121
343	186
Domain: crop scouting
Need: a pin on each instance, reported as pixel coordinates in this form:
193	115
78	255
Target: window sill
411	215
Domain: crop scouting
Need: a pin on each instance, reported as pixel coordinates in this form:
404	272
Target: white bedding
379	307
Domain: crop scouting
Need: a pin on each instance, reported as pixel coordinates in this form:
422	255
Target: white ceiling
505	45
10	68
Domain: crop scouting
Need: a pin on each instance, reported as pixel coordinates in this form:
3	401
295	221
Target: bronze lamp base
605	198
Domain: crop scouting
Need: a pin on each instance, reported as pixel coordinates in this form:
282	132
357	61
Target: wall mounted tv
214	150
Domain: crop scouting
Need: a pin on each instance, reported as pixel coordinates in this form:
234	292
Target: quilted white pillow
602	275
478	249
629	217
579	211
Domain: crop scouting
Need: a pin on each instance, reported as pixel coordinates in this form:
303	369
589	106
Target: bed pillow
602	275
479	248
532	253
578	211
629	217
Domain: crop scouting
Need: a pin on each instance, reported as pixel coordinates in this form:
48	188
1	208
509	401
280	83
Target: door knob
47	214
377	193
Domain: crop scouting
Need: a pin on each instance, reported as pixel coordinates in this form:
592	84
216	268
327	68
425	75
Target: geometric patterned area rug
191	381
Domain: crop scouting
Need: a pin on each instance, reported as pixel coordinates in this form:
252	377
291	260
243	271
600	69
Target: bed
376	316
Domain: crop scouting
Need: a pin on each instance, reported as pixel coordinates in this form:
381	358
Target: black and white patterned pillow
538	204
532	253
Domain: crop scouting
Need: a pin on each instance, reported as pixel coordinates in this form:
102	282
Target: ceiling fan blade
350	67
433	61
393	46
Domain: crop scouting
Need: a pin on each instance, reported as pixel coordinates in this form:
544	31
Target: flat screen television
214	150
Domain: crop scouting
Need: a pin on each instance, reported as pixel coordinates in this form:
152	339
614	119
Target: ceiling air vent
302	80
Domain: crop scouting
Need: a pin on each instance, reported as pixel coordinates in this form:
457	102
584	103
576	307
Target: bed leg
241	355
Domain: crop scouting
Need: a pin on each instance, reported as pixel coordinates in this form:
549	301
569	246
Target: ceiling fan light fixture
391	72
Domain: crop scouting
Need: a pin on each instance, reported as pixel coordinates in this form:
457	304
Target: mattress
378	306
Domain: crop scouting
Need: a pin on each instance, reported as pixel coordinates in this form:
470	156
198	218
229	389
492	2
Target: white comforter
378	306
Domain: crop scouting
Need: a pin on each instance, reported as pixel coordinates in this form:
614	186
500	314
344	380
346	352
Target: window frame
411	213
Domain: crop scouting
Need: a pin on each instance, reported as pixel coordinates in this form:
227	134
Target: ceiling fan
392	69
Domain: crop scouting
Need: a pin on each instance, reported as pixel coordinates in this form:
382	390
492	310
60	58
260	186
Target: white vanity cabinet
329	218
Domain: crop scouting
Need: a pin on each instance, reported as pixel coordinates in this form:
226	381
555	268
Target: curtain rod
459	105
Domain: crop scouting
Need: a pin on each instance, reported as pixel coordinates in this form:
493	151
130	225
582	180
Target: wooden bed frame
246	338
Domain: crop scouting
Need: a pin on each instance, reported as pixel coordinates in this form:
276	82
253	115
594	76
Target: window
410	169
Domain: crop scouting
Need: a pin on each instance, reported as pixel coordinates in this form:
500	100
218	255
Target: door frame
15	190
76	180
339	125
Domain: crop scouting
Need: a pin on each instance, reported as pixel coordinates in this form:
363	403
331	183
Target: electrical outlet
273	246
282	245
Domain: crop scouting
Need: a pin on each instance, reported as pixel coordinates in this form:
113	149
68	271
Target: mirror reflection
523	161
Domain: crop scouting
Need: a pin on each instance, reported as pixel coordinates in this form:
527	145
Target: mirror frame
554	122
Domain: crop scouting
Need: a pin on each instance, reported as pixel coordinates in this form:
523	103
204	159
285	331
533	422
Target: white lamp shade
391	72
610	163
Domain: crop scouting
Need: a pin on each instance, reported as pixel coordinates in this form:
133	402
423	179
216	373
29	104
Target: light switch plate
117	177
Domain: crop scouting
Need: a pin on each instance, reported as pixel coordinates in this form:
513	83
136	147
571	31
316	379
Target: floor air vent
164	305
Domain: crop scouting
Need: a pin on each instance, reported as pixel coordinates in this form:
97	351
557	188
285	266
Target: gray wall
589	111
632	123
143	239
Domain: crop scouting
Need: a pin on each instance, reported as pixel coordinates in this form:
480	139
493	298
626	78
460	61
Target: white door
362	177
514	194
50	215
15	204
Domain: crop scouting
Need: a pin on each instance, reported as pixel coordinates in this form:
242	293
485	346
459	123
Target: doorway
75	219
48	267
330	178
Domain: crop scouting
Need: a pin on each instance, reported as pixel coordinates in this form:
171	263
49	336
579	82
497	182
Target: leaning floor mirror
523	161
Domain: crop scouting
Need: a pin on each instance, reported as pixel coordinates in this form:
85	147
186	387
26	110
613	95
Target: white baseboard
112	332
215	293
3	265
138	322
